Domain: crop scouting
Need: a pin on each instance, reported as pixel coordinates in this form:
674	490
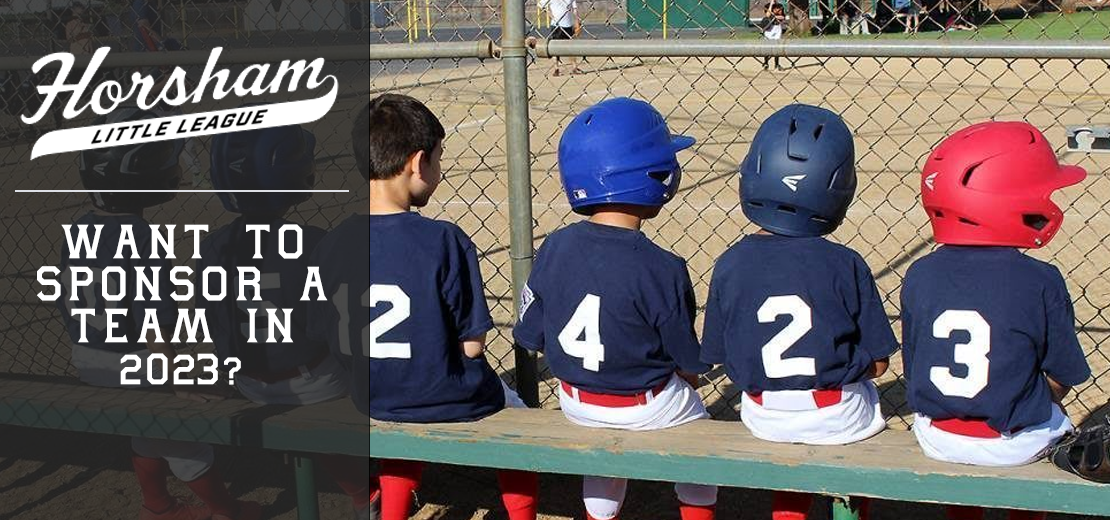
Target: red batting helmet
990	184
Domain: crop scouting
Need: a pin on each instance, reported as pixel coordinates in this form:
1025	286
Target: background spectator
565	25
774	18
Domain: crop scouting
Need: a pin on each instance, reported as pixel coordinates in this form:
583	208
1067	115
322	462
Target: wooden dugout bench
888	466
57	404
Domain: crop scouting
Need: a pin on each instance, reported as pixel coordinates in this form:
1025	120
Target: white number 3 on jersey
972	354
585	324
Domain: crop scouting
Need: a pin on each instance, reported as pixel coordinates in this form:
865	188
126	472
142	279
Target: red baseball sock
864	507
398	478
689	512
519	490
591	517
787	505
350	475
1027	515
210	489
965	513
152	475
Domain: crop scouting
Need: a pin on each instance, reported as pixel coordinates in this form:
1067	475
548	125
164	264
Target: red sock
1027	515
210	489
152	475
787	505
864	507
689	512
519	490
965	513
349	473
590	517
399	479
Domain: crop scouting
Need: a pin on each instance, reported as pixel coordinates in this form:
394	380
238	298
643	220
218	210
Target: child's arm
1059	392
677	330
713	331
876	336
1064	363
465	297
474	347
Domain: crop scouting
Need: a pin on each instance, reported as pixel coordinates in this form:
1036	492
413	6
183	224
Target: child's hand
473	348
693	379
878	368
1059	392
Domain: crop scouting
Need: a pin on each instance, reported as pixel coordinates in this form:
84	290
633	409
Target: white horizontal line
182	191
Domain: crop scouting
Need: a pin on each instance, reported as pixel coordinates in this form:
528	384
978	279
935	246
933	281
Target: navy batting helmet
281	158
142	166
799	175
620	151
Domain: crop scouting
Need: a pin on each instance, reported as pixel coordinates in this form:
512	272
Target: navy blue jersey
424	293
281	284
616	310
981	326
794	314
92	296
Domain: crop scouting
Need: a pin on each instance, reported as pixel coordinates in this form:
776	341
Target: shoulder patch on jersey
791	181
526	299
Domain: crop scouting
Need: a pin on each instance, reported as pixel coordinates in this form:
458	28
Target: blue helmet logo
799	176
620	151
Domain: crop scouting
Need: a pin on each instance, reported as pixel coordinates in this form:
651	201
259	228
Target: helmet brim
1070	175
681	142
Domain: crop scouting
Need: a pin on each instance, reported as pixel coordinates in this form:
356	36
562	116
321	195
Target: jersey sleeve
1063	361
463	291
713	332
528	331
907	332
876	336
677	330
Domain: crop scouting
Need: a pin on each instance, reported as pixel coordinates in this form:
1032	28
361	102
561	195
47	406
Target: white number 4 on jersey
585	324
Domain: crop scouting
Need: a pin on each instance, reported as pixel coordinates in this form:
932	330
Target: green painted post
308	505
514	62
844	509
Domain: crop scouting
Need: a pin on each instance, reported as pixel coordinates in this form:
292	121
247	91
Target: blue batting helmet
281	158
620	151
799	175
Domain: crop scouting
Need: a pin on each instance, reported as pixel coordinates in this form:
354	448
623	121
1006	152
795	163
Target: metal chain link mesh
898	108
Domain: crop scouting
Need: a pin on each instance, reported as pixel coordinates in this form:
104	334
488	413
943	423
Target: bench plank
889	466
333	427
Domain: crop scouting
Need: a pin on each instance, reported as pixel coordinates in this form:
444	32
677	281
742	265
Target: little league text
84	287
198	123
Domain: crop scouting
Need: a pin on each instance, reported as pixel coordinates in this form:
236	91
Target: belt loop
574	393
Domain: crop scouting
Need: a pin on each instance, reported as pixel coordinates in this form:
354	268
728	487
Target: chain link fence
898	99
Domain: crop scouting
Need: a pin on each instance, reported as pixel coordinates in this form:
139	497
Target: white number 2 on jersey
399	312
585	323
972	354
774	365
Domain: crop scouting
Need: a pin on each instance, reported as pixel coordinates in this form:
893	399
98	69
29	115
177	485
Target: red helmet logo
991	184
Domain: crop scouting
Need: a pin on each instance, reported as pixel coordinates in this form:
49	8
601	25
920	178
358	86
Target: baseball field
897	108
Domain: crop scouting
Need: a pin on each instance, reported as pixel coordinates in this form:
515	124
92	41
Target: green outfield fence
504	110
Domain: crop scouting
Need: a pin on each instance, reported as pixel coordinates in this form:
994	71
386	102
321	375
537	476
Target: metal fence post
514	58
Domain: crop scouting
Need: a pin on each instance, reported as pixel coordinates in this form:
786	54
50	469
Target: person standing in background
565	25
774	18
147	25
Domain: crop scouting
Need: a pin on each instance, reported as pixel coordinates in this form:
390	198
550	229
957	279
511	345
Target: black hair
388	130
